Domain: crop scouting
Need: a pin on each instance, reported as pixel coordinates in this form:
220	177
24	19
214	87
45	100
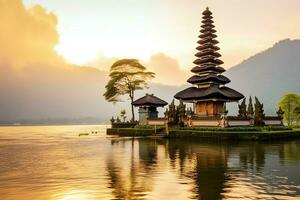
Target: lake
54	162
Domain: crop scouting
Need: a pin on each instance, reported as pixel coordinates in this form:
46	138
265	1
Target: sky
51	51
104	29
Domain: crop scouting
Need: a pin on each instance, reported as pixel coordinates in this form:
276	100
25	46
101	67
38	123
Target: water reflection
54	163
211	170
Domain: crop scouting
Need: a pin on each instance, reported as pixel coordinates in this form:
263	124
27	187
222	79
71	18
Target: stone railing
204	122
239	121
273	120
229	121
156	121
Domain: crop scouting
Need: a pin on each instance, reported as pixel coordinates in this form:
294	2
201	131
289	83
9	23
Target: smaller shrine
148	107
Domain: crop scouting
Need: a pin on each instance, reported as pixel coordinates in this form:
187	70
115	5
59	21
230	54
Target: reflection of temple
252	156
208	169
208	93
147	152
125	179
132	179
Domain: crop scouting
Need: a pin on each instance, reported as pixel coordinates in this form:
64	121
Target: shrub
276	128
148	127
239	129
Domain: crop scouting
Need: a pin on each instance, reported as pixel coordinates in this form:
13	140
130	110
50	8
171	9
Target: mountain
74	94
269	74
71	95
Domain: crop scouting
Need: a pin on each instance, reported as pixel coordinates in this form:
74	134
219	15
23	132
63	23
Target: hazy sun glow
74	194
89	48
140	29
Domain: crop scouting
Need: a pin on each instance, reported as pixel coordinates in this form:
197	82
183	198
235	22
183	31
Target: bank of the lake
252	133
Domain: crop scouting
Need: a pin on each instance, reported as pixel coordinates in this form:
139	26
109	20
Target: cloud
102	62
28	36
167	70
35	81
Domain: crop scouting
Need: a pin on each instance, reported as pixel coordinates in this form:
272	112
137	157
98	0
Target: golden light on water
75	195
53	163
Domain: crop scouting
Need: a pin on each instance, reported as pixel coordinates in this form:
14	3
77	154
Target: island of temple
208	93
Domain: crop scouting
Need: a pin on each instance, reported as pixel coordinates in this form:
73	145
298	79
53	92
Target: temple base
146	112
209	108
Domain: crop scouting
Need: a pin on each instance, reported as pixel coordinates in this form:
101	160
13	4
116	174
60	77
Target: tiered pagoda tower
209	93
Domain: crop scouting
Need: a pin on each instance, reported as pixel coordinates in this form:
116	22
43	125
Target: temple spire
207	50
208	92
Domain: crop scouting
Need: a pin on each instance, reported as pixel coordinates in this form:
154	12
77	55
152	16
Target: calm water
53	162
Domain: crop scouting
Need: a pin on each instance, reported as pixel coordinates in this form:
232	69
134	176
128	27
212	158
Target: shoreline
214	135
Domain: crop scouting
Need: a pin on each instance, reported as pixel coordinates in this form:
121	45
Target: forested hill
269	74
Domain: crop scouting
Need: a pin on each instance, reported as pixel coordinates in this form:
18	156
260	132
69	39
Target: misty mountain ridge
76	92
269	74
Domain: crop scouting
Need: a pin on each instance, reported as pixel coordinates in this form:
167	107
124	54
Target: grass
296	126
147	127
146	131
236	135
239	129
229	133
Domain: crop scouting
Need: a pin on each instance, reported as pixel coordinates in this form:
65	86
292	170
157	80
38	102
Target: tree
172	113
250	111
288	103
123	115
126	76
297	113
280	112
243	109
258	112
181	110
112	120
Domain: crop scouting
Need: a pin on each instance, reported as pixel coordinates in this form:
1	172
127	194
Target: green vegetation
297	113
249	113
258	113
243	109
230	133
289	103
148	127
236	135
176	114
123	115
134	132
171	113
239	129
250	110
126	76
295	126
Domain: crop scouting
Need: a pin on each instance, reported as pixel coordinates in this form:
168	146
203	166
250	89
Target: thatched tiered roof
208	81
149	100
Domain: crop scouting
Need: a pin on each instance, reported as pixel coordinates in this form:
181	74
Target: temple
148	107
208	93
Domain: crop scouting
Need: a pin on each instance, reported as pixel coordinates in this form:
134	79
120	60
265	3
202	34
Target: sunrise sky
142	28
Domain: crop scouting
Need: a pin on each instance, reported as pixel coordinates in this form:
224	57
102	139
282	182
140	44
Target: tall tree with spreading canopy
288	103
126	76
